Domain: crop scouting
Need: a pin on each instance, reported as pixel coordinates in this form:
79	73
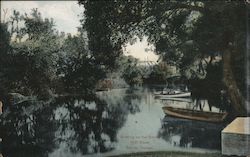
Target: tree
4	59
159	74
76	66
131	73
37	60
31	60
183	32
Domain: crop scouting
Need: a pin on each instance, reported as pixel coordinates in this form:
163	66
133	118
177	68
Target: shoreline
162	153
169	154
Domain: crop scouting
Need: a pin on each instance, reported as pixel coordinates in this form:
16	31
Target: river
110	123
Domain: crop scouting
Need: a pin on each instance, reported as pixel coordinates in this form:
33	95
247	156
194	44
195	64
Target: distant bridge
146	63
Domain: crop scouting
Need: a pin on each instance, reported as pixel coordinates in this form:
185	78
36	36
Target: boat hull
195	115
188	100
178	95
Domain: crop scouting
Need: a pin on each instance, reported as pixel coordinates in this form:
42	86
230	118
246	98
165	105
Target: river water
110	123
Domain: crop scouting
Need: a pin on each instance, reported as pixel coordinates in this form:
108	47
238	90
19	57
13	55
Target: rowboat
175	94
195	114
188	100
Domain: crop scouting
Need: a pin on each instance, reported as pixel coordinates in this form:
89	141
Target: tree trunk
234	93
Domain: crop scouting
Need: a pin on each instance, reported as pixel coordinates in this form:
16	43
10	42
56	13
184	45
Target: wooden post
1	107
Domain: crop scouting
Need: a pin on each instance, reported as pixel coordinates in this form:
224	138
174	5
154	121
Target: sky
66	15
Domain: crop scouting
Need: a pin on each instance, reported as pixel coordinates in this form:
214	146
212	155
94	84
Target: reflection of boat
175	94
194	114
191	133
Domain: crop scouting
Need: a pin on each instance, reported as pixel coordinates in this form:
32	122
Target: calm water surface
112	122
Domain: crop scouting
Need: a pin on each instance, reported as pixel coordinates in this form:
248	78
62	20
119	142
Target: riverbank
170	154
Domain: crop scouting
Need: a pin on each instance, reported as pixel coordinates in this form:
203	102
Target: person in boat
199	104
225	101
165	90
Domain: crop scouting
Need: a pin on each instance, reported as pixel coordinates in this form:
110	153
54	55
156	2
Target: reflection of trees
25	130
86	126
192	133
85	120
95	124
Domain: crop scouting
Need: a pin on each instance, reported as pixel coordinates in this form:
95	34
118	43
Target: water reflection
187	133
78	125
111	122
24	130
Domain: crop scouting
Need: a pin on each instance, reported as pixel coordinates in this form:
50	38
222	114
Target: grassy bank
170	154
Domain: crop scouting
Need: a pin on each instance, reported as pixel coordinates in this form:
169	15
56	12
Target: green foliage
183	32
165	25
34	56
76	66
159	74
103	45
4	59
130	71
37	27
35	59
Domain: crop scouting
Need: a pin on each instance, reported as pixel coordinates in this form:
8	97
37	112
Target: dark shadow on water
85	126
24	130
191	133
